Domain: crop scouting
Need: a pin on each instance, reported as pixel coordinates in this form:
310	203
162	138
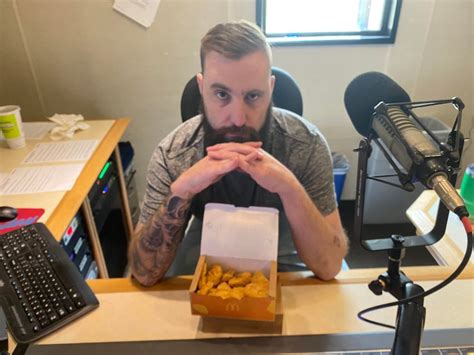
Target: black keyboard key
53	317
44	322
69	306
79	303
61	311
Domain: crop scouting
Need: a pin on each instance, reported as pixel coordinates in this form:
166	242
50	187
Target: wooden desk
60	207
310	308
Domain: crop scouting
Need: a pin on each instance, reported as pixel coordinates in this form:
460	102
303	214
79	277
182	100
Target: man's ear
272	82
199	79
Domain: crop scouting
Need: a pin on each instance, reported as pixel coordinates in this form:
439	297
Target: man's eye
253	96
222	95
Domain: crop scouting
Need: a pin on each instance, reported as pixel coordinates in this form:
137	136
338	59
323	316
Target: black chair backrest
286	95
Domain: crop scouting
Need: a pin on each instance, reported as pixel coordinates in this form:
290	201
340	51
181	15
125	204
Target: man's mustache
234	134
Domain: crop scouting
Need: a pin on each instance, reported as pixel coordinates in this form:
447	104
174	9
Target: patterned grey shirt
292	140
295	142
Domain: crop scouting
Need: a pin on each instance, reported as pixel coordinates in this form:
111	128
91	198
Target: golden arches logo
232	307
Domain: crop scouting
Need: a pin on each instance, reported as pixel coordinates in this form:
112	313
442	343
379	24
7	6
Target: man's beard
233	134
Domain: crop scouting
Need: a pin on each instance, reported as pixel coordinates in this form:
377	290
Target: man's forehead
245	74
257	60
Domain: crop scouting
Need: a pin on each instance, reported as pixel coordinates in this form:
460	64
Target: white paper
41	179
61	151
239	232
141	11
34	130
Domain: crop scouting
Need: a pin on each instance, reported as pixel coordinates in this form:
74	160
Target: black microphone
365	92
365	99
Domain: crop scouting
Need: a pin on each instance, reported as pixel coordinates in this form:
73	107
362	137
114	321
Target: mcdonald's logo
232	307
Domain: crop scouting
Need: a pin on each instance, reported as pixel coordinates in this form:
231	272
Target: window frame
385	35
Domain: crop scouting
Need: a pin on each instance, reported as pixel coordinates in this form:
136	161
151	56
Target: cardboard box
243	239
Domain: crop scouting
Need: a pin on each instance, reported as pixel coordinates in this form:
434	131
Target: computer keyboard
40	288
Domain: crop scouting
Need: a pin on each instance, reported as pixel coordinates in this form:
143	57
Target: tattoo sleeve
154	246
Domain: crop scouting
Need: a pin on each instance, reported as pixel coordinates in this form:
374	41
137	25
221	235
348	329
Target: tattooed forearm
151	242
154	246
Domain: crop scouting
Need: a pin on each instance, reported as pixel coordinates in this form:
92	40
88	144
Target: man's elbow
329	269
334	266
328	273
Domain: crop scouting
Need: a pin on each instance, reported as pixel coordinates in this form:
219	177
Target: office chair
286	95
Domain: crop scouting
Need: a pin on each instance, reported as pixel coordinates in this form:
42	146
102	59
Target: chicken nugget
224	294
202	281
237	293
259	277
241	279
204	290
215	274
228	275
224	286
256	290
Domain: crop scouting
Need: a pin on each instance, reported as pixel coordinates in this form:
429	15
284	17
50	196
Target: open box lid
240	232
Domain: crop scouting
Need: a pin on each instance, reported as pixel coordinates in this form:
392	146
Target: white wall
81	56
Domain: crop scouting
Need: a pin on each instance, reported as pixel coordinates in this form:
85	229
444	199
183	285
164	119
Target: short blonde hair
234	40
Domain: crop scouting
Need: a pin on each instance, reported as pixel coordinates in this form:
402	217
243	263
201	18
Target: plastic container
340	168
11	126
467	190
385	203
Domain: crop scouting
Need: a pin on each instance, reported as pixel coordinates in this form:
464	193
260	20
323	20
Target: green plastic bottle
467	190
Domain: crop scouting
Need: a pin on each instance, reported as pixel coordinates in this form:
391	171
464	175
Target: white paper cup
10	124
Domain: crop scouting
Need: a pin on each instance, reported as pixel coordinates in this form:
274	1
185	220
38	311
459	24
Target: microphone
365	99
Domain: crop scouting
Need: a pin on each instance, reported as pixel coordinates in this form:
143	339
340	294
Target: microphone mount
410	315
453	148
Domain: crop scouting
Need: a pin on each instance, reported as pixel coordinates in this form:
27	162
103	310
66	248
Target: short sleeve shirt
295	142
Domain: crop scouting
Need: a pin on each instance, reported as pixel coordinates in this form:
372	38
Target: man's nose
238	113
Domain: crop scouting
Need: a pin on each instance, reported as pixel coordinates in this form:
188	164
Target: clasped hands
223	158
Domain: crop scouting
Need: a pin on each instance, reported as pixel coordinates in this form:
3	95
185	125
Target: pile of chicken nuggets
216	282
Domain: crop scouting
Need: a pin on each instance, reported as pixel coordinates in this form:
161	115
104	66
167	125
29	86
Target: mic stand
411	315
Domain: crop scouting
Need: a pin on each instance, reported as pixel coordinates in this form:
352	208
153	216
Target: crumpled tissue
66	126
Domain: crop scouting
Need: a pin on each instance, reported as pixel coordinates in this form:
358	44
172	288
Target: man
240	151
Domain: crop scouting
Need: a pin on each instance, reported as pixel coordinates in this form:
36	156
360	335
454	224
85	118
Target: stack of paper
47	178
